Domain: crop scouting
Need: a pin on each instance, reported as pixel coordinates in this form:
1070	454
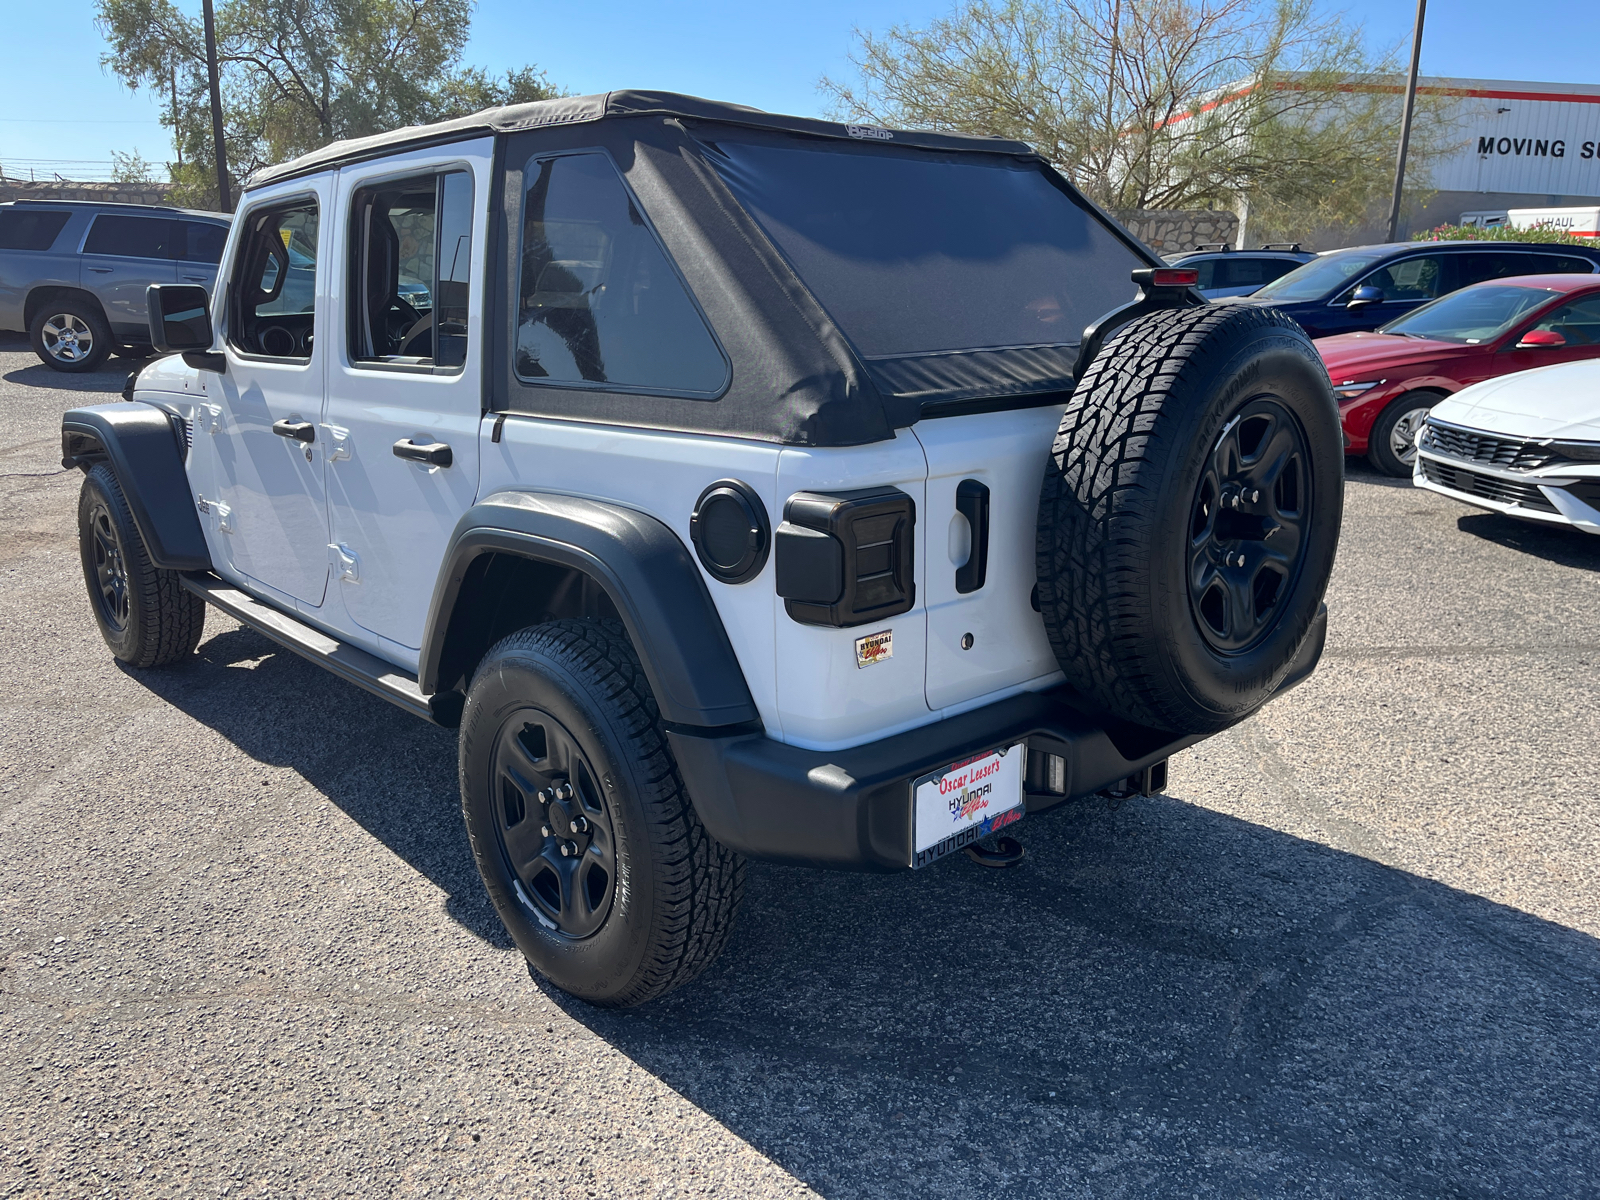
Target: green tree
1158	104
131	168
297	74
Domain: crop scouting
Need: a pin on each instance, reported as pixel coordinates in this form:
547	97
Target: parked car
73	274
1387	380
1526	445
1225	271
705	498
1343	291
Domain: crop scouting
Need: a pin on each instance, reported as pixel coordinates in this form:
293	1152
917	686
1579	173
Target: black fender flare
645	569
145	449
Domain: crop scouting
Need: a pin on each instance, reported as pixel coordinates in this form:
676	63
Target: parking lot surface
1351	953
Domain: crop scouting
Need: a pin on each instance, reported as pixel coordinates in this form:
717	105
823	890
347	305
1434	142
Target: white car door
271	505
404	398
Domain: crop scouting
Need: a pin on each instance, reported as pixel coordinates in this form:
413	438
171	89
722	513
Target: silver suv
73	274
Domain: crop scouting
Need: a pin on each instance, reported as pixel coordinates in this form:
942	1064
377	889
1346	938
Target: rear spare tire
1190	515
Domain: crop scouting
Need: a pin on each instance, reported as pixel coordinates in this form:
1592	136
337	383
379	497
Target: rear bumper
852	809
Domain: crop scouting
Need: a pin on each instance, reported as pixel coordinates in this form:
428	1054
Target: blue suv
1347	291
73	274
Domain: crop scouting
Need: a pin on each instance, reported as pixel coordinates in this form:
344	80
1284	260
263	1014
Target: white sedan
1527	445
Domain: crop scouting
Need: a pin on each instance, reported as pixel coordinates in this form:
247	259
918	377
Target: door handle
435	454
972	502
300	431
102	270
197	278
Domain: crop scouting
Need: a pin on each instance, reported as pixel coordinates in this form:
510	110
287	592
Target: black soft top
820	351
578	110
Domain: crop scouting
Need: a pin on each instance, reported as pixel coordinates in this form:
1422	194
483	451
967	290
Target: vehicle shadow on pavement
1560	544
392	773
1162	1000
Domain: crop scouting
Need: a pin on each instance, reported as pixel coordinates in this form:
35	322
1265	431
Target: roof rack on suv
1292	247
30	202
1213	246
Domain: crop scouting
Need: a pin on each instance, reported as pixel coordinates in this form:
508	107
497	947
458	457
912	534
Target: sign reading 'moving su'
1527	138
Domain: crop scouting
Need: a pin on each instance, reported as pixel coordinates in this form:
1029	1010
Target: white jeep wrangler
688	459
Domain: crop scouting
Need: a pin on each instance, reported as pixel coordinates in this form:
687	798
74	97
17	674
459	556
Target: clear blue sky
57	103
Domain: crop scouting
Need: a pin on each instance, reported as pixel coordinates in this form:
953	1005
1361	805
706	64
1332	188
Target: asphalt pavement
1351	953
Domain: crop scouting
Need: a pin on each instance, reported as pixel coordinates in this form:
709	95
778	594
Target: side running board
349	663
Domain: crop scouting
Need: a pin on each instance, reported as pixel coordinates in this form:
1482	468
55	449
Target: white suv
689	460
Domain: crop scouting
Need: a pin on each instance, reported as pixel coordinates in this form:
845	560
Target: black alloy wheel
110	591
553	826
1248	526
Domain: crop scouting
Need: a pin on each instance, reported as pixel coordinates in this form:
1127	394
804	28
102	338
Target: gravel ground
1352	953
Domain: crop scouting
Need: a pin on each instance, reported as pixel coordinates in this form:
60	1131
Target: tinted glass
1578	322
133	237
598	301
1478	265
914	253
1315	279
1562	264
202	241
26	229
1207	268
1478	314
1244	272
1407	279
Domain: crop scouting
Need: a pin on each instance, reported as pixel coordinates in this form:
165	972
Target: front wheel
146	616
1392	446
582	830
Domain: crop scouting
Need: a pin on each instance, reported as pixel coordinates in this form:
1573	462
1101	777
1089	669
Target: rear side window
134	237
920	252
203	241
1562	264
26	229
1253	272
598	301
1578	322
411	250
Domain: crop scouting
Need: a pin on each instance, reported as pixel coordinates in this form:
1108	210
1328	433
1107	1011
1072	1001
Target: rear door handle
102	270
197	278
435	454
972	502
300	431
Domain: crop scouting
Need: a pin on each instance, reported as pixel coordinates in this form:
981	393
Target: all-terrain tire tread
700	881
171	618
1098	504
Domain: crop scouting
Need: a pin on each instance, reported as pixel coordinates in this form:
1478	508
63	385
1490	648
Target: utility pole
177	134
1405	121
224	201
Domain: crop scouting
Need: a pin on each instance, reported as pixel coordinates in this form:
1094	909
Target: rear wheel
1189	516
1392	445
586	840
71	335
146	616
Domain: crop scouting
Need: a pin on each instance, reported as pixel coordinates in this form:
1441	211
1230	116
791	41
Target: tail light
846	558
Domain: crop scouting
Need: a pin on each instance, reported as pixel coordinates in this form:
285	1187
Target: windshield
1315	279
1470	316
920	252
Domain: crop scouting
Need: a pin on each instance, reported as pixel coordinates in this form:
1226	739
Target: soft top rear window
917	252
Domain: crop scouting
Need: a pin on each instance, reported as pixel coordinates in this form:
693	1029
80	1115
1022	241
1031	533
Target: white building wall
1533	139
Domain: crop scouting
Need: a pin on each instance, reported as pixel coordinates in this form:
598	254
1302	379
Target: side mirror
1364	296
1536	339
180	323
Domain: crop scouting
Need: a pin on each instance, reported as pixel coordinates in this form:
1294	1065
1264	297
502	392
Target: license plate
956	805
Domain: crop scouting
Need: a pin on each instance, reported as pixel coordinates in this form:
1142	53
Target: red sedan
1387	380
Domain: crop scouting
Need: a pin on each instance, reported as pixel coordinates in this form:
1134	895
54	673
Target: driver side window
410	250
1408	279
274	286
